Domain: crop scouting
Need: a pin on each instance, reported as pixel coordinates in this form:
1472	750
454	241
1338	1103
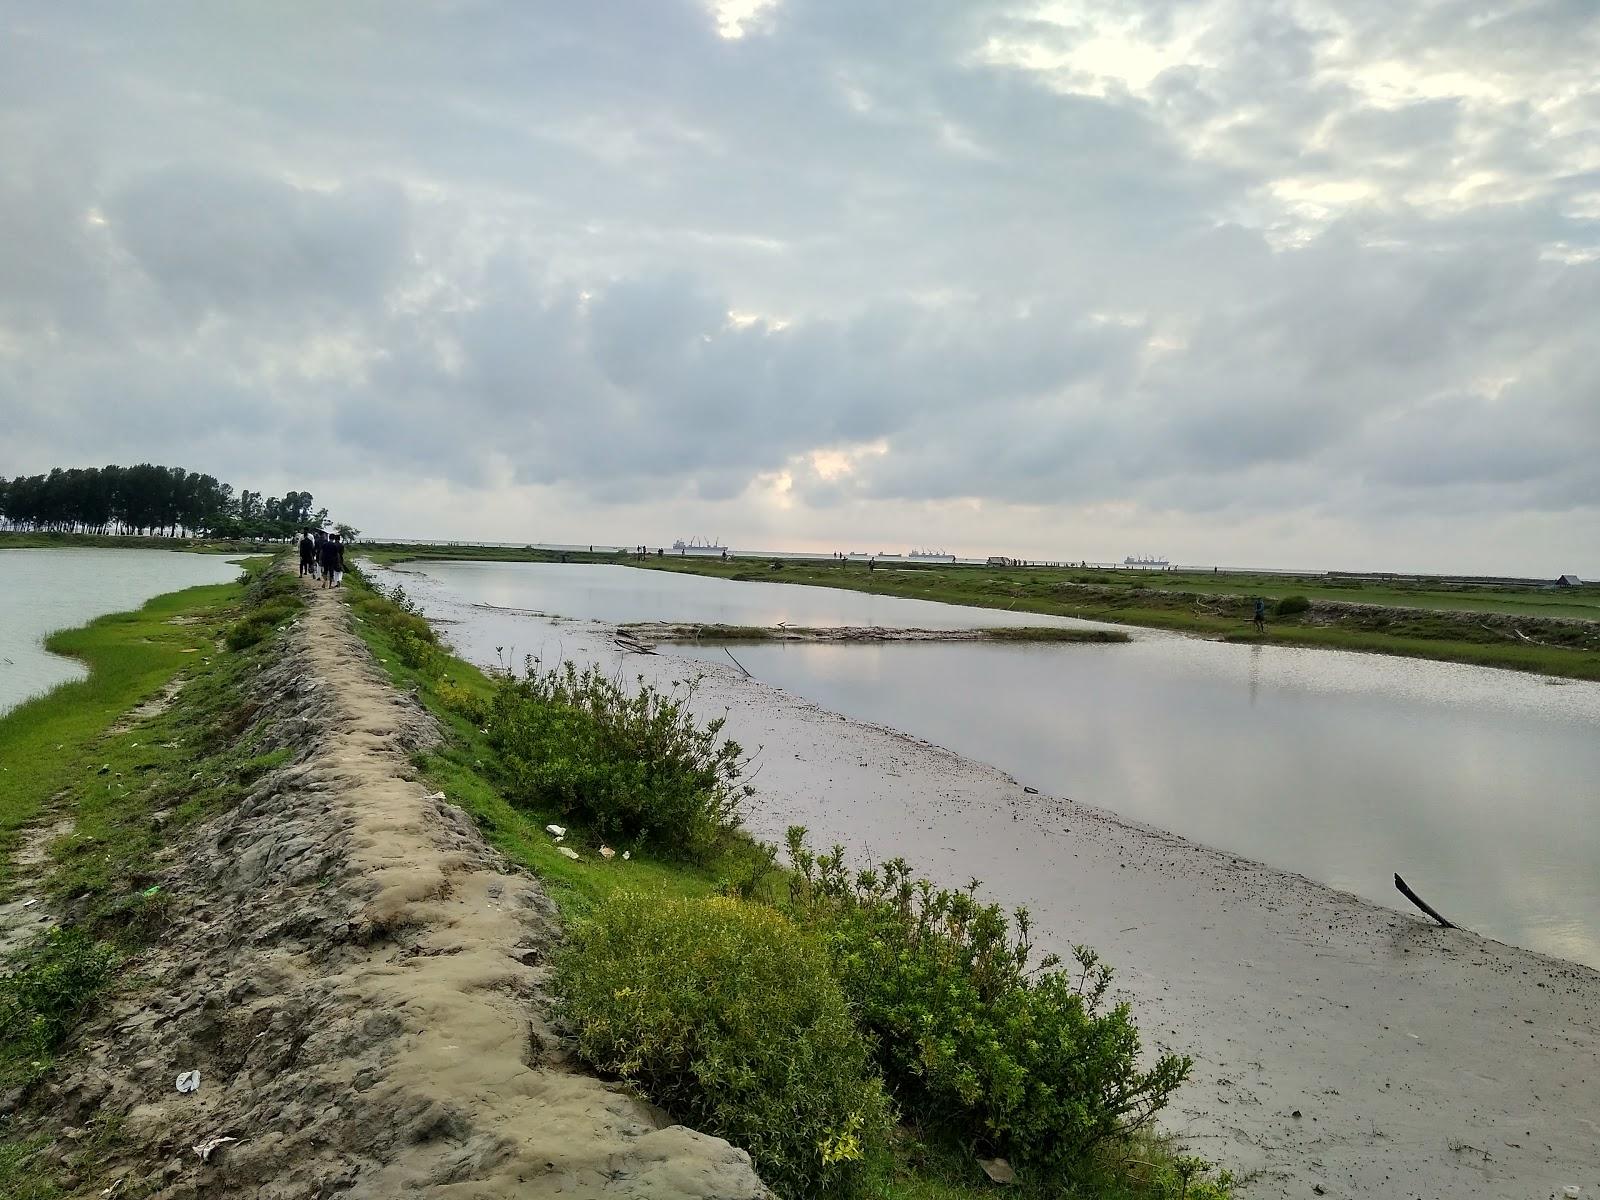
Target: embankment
356	977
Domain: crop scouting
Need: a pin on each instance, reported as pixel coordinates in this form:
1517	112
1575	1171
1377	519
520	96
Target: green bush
973	1041
47	987
635	766
413	638
1291	605
725	1013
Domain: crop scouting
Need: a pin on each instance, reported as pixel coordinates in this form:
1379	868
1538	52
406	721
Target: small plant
726	1014
974	1039
635	765
1291	606
49	985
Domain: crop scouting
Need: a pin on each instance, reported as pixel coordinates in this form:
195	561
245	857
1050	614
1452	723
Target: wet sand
1423	1062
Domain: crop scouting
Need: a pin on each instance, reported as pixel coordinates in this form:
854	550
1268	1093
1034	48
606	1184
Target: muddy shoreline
1422	1061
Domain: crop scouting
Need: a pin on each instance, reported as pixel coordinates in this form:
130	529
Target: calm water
621	594
1482	787
42	591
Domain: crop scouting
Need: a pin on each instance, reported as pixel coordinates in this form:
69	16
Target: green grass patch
48	742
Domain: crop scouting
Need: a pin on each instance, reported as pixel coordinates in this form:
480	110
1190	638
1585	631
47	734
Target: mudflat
1338	1044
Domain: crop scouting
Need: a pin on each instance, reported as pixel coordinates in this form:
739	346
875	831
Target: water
623	594
1480	786
42	591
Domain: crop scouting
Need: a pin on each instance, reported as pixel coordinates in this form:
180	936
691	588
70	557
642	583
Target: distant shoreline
1546	631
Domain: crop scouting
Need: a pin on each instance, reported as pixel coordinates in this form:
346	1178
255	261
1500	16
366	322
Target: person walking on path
308	557
1261	615
332	561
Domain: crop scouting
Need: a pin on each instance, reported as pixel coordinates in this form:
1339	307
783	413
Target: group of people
322	556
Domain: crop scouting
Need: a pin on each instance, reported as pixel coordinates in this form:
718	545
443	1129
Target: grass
51	741
463	768
131	787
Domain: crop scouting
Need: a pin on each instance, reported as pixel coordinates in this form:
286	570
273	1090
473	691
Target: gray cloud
1164	259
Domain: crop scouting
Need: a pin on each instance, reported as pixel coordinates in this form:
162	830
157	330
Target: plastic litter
1572	1191
151	891
607	852
189	1081
206	1148
569	852
556	830
998	1170
626	855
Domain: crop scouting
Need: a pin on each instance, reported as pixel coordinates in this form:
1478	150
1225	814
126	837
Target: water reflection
621	594
1479	786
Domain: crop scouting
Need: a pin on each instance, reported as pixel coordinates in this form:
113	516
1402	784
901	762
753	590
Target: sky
1309	283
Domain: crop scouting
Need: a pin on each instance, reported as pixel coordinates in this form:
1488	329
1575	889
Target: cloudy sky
1257	282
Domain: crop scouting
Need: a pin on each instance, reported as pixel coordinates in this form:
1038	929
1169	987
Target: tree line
152	501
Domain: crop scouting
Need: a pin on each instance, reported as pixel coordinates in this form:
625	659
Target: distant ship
1131	561
698	546
931	556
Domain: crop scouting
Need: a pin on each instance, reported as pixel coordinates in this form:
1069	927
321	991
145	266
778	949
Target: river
1479	786
42	591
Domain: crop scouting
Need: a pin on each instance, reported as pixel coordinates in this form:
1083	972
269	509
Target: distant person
330	559
1261	615
308	552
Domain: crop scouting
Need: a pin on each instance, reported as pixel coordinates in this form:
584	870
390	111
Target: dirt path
359	981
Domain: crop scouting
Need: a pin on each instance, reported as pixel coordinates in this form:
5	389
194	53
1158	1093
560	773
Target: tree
149	499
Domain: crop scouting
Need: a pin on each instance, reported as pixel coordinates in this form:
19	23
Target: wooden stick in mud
1421	903
737	663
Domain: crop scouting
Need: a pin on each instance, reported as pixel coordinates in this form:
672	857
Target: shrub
972	1040
1291	605
725	1013
635	766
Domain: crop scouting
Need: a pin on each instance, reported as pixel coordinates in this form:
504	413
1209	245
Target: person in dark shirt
308	554
332	561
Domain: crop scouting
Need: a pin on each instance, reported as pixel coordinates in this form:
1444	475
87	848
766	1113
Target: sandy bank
359	981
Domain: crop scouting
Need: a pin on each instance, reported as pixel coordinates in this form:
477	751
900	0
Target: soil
360	982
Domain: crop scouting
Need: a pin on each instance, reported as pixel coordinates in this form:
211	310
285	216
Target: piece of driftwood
1406	891
737	663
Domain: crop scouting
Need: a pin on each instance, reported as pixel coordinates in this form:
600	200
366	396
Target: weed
974	1039
727	1014
634	765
